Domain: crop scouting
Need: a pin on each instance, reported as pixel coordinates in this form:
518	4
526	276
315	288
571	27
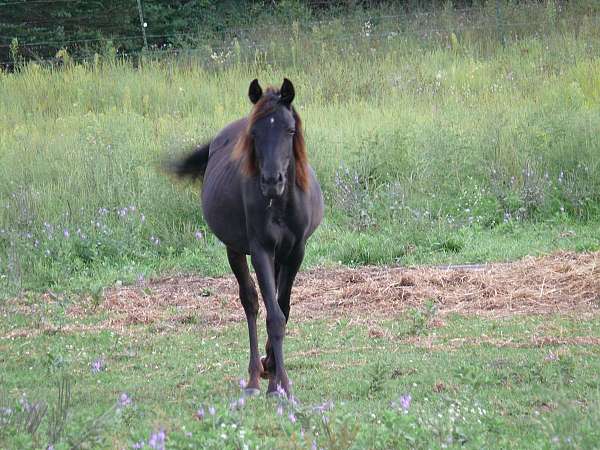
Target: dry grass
561	283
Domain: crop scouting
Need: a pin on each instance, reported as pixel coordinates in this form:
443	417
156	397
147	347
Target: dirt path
566	283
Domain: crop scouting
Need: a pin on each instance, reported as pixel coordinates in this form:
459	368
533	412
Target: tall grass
448	121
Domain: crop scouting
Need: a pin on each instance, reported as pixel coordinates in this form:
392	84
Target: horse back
222	189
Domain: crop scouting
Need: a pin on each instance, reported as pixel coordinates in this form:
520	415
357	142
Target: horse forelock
244	149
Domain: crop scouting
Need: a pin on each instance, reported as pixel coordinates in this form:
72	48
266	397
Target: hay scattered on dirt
563	283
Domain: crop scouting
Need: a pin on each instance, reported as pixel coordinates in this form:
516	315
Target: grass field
433	142
517	382
452	137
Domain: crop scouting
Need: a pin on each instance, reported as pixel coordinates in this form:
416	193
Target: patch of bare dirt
560	283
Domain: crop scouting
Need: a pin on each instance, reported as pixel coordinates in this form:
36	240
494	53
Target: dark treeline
38	29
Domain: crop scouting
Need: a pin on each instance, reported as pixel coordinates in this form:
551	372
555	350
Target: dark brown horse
261	198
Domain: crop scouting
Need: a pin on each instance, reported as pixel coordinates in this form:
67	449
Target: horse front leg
249	299
268	361
263	263
288	268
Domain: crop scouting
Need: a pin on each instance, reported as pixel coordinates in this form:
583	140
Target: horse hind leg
249	299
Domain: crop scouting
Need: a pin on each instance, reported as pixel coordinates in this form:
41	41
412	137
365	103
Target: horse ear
255	91
287	92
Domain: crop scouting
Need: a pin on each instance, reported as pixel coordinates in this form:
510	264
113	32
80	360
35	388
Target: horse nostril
271	180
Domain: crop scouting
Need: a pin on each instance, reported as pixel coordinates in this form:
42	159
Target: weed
352	197
421	318
96	296
378	375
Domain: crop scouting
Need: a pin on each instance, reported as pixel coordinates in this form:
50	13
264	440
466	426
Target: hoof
251	392
264	373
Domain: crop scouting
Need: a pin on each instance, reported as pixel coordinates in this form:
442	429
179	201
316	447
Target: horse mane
244	148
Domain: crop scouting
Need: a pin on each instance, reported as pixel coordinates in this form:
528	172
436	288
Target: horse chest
282	229
280	232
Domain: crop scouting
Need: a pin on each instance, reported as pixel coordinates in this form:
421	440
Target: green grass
434	142
483	383
431	146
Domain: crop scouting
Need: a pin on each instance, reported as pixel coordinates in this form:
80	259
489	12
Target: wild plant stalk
58	417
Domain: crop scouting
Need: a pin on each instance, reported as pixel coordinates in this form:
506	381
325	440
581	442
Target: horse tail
192	165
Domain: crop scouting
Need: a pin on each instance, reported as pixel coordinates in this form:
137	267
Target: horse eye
291	131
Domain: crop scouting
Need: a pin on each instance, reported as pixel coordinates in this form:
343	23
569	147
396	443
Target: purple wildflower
211	410
405	401
280	410
157	440
98	366
200	414
198	235
138	445
327	406
237	404
66	233
281	391
243	384
314	445
292	417
124	400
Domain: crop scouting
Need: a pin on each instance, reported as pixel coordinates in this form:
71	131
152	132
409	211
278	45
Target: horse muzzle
272	187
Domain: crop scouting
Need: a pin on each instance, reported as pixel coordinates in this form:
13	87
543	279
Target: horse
261	198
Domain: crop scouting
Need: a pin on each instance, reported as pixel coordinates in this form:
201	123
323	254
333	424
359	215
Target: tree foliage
33	29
